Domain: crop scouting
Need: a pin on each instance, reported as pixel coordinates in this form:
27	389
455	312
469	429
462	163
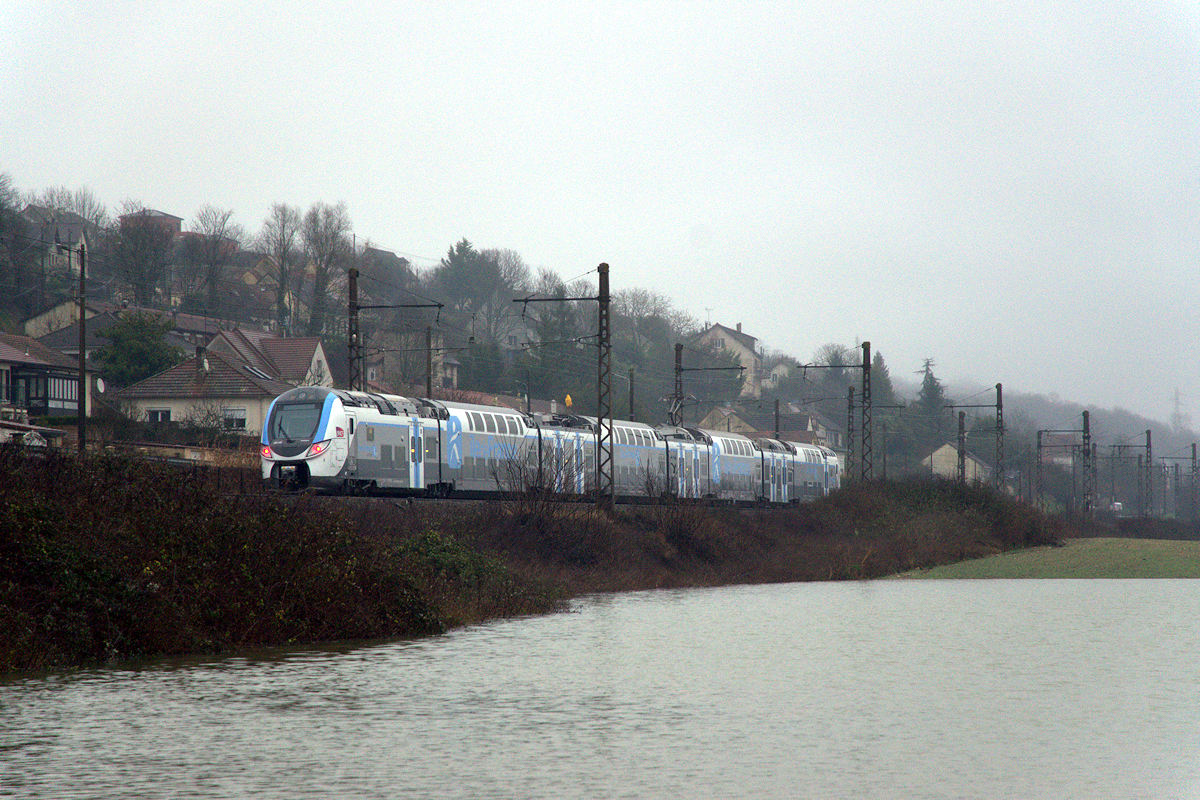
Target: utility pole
962	447
1089	478
604	483
777	418
850	431
867	448
998	478
604	455
353	345
1041	502
429	361
632	418
676	415
81	399
1149	506
357	377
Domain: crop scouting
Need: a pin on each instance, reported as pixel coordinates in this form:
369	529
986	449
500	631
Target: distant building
58	236
744	348
211	388
40	379
943	463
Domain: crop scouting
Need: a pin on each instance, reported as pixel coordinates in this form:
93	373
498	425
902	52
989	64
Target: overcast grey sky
1011	189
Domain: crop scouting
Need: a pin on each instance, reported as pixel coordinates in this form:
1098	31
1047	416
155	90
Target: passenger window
476	420
490	421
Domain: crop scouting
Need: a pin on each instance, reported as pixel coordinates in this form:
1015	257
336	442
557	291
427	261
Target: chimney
739	328
201	362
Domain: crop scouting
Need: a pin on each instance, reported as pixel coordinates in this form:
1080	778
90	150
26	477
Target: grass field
1081	558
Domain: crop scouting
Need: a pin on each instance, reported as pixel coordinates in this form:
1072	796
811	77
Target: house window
158	414
233	419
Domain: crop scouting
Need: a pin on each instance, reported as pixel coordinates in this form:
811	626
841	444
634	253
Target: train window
476	420
490	421
514	428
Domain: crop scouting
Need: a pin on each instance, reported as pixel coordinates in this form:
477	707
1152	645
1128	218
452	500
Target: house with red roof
211	388
40	379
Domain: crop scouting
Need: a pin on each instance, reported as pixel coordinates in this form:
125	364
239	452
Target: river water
1054	689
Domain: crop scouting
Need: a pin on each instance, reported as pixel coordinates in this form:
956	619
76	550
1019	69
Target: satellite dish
100	385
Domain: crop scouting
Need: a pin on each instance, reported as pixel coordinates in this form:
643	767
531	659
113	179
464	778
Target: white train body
341	441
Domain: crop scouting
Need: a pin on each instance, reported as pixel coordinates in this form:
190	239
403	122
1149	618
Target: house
300	361
170	224
195	329
210	388
40	379
943	462
744	348
1060	448
60	235
795	425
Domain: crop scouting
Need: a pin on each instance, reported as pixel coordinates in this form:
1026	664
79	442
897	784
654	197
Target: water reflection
916	689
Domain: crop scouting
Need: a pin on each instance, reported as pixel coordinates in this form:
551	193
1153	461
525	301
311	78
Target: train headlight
265	451
318	448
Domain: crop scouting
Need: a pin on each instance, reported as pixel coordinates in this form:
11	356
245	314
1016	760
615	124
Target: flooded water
1087	689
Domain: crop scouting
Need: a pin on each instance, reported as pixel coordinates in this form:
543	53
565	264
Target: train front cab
304	440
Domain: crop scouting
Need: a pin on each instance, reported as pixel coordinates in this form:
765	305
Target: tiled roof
15	349
745	339
292	356
287	358
223	378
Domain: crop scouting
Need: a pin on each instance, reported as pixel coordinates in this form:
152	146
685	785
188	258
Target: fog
1009	189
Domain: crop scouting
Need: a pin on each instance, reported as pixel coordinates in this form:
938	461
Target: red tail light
318	448
265	451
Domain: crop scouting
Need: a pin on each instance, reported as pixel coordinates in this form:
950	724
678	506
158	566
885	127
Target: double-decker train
358	442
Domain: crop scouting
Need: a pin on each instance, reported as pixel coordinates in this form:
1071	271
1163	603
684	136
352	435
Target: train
351	442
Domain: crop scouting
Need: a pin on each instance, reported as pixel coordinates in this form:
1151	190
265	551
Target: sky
1009	189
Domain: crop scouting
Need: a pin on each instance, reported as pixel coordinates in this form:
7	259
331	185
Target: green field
1081	558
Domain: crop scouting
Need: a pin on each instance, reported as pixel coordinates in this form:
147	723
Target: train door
351	446
674	479
780	467
432	430
416	454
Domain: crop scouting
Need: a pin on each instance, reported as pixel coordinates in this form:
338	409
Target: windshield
294	421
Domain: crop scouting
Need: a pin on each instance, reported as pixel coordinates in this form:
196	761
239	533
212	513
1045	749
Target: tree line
472	310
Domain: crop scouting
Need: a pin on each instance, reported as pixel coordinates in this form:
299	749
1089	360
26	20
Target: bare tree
80	201
326	234
141	249
209	250
497	317
278	239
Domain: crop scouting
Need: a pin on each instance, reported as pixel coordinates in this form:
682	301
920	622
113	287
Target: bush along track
106	558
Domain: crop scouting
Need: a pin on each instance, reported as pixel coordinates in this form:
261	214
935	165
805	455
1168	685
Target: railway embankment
111	558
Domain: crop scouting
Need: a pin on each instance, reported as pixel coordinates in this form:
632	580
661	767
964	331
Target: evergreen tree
137	348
